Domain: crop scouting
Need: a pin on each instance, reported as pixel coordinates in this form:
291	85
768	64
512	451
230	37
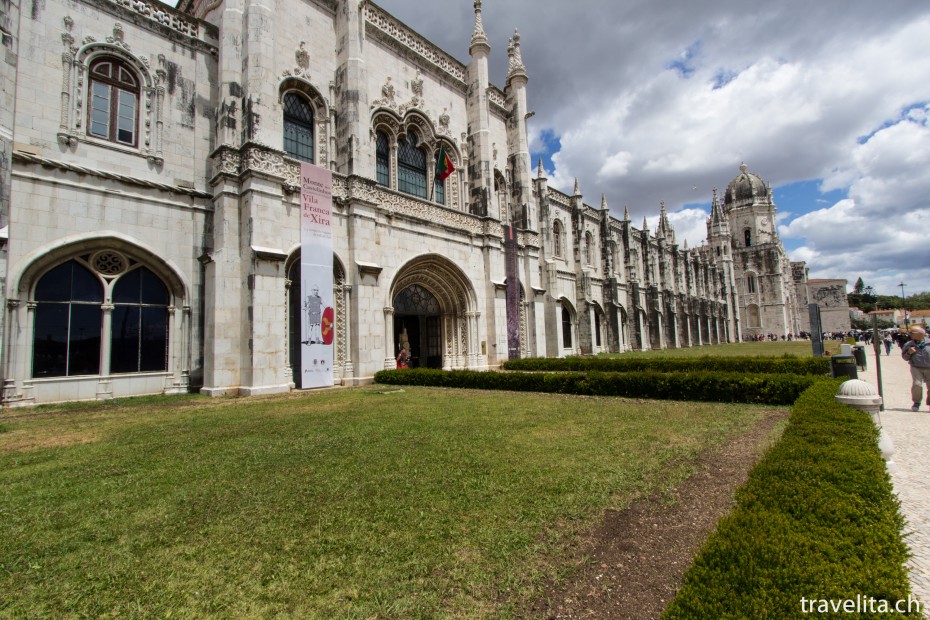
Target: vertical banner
512	293
316	276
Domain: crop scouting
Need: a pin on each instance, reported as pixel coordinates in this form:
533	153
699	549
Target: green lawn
799	348
363	503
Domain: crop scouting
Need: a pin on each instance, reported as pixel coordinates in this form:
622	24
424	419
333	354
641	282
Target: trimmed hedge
778	365
726	387
817	519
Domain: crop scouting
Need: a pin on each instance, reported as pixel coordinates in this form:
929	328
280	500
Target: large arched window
114	102
139	332
383	157
750	283
557	238
298	127
70	330
411	167
68	320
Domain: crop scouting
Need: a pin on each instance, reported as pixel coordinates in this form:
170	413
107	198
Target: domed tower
750	209
766	296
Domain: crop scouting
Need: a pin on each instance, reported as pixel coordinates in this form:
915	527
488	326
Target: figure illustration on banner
320	327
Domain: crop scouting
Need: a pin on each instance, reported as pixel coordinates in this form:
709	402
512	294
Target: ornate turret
478	37
664	229
717	224
482	200
515	59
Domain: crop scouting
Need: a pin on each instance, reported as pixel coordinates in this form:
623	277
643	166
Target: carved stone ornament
302	70
262	160
117	38
387	97
443	129
227	162
302	56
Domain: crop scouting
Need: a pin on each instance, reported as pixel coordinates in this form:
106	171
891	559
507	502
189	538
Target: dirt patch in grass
637	557
21	441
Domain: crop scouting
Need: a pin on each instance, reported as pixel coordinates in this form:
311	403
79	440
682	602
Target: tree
858	286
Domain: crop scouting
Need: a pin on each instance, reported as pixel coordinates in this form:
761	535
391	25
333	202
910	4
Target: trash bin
843	366
859	354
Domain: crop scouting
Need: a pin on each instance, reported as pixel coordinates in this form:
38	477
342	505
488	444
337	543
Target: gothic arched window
383	159
411	167
68	320
588	245
557	238
747	235
298	127
114	102
139	333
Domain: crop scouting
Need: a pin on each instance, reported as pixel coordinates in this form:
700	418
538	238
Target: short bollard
862	396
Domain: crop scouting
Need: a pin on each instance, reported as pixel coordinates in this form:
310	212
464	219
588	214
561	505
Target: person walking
888	340
917	354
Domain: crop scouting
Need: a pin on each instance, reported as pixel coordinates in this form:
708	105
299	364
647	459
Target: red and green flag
444	166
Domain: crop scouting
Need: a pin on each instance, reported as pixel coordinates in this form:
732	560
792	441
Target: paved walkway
910	434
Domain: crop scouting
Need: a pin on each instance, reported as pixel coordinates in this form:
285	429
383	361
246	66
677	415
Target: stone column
105	383
12	347
390	362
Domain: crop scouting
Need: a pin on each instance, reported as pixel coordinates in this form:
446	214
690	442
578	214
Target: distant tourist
917	354
889	341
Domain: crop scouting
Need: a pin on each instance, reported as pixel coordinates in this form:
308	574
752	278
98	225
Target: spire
718	218
604	202
515	58
539	170
626	213
479	37
686	245
664	228
645	225
577	188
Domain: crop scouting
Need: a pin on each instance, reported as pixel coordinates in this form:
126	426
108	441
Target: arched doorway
417	326
434	301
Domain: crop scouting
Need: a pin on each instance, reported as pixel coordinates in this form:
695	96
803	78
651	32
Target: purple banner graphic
512	293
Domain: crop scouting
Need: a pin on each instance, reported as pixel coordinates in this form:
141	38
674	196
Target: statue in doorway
404	343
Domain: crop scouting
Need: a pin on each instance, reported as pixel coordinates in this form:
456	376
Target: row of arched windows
559	244
413	166
113	115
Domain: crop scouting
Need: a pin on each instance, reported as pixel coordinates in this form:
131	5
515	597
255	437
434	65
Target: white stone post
390	362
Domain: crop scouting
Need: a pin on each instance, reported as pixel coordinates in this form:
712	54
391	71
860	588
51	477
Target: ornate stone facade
188	183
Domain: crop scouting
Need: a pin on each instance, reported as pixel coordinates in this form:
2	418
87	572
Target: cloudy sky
651	100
